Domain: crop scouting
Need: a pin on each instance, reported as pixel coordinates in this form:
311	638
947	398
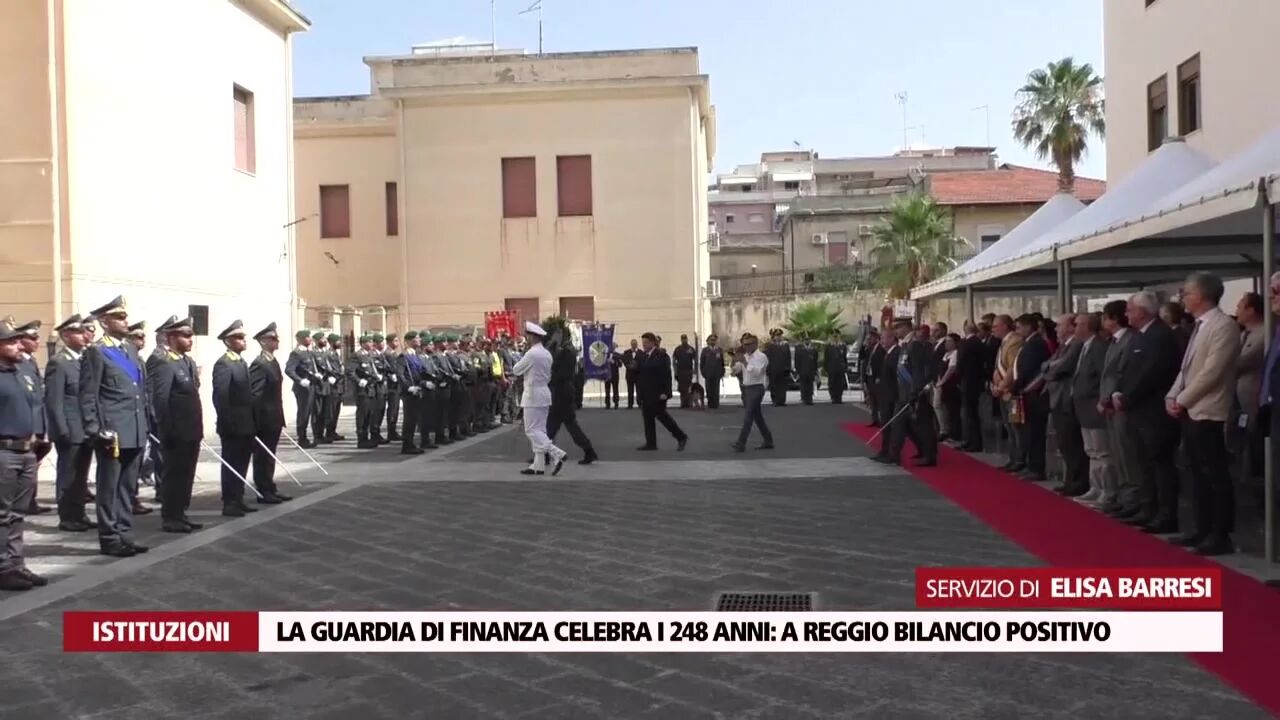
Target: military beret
411	335
319	335
334	337
366	339
453	337
235	329
378	337
302	334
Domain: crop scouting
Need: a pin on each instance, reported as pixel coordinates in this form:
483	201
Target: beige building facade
1187	68
175	193
569	183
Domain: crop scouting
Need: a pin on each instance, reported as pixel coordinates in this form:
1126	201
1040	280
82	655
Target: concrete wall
1235	41
970	221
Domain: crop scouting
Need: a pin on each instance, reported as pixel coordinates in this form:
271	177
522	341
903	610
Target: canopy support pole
1062	287
968	302
1068	295
1268	324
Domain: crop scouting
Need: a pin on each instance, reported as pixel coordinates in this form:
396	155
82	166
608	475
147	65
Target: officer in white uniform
535	369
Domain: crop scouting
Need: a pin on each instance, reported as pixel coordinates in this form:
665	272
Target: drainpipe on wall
296	312
402	193
53	8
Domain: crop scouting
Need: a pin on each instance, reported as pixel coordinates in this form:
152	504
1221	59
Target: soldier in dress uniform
806	361
913	408
266	385
66	428
117	414
302	371
711	366
148	474
779	355
460	406
682	359
174	389
439	418
233	403
334	401
30	368
835	362
19	405
391	359
153	465
379	407
362	371
410	374
324	389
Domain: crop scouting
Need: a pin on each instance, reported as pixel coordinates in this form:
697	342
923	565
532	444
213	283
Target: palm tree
814	320
1058	108
913	245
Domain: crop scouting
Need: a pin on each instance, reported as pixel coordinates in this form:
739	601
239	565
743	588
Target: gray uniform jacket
113	396
62	398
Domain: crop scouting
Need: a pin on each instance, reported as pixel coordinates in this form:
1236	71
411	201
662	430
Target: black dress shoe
1188	540
531	471
33	578
117	550
681	443
1060	489
37	509
411	450
15	581
140	509
136	548
176	526
765	446
428	446
738	448
647	447
1213	547
73	526
366	445
1160	527
247	508
193	525
927	463
1123	512
589	458
1139	520
338	438
233	511
306	444
393	437
282	496
379	440
884	459
269	499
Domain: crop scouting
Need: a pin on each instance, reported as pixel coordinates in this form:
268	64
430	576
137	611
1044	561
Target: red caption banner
1094	588
160	632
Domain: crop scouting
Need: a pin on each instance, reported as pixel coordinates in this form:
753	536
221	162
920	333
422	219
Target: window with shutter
837	248
1157	113
242	123
519	188
1189	96
526	308
393	210
335	211
581	307
573	185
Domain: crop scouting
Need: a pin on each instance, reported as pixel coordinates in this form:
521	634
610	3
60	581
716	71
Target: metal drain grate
764	602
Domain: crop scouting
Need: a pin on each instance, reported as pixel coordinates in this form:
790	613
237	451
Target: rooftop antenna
537	5
493	28
986	111
902	100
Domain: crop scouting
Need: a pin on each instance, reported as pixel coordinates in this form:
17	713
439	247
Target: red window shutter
581	307
335	211
837	253
573	185
526	309
519	188
393	210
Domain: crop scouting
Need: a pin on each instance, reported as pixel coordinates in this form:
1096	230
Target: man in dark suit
564	367
683	358
806	360
233	402
266	384
66	427
116	414
1086	381
1058	373
153	462
1124	442
1035	404
654	380
631	359
835	363
617	365
1153	364
873	374
302	371
779	354
972	360
913	408
711	366
990	358
175	396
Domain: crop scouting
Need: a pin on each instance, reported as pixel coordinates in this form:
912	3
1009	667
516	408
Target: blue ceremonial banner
597	344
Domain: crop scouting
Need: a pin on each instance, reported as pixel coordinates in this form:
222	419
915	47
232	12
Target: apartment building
140	158
472	181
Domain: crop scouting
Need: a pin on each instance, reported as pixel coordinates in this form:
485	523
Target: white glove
304	382
415	391
363	382
430	385
333	381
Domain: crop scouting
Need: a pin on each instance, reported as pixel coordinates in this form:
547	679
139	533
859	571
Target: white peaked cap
534	329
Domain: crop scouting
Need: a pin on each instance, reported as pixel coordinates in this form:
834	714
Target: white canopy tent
1053	213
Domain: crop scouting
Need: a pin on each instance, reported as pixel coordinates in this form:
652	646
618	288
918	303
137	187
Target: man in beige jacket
1002	386
1202	398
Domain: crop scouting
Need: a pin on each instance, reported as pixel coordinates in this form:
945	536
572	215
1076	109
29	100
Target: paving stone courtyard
459	529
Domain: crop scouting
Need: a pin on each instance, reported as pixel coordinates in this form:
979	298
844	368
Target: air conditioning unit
713	242
865	230
818	239
713	288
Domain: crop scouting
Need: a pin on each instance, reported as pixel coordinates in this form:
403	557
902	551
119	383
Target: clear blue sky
820	72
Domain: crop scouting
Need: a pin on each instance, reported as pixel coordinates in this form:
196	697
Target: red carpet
1063	533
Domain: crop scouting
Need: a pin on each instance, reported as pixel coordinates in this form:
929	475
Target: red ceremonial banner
1094	588
160	631
498	322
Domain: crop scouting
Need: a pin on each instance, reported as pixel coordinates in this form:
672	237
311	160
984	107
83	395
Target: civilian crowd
1134	395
